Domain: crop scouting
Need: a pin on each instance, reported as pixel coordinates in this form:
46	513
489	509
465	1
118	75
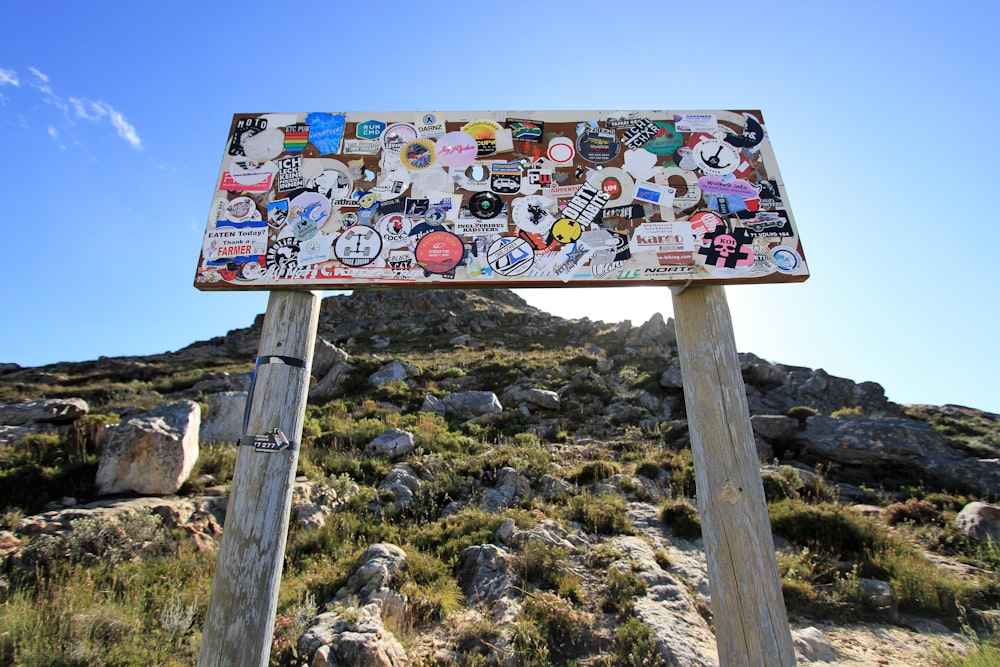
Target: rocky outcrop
223	420
980	522
152	453
391	444
472	404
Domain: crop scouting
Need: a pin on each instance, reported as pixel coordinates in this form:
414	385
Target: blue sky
113	121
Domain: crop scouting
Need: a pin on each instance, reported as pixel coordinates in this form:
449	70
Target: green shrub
682	519
595	471
564	625
622	585
913	511
635	646
605	514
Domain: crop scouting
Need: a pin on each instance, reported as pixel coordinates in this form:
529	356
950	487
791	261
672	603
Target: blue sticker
370	129
325	131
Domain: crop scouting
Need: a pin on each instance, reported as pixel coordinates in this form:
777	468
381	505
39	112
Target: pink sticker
456	149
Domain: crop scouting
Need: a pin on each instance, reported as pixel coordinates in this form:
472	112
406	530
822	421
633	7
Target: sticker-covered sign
343	200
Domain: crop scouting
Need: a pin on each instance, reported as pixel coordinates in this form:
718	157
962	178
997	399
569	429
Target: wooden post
239	623
751	626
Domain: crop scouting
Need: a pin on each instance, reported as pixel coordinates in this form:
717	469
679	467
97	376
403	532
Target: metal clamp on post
267	359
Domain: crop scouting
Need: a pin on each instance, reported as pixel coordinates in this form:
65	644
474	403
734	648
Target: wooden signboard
498	199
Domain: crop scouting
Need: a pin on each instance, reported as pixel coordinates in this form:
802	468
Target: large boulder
223	422
980	522
394	371
391	444
334	641
151	453
56	411
471	404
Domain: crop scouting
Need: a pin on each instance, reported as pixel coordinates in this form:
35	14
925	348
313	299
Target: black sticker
245	128
485	205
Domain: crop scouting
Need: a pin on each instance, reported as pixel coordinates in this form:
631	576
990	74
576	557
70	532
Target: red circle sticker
439	252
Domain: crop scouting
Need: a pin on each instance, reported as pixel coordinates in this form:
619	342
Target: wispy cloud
85	109
53	132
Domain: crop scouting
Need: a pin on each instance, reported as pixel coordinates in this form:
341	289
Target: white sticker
696	122
315	251
362	147
663	237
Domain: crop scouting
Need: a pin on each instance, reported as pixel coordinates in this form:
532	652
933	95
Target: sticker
666	141
392	184
728	186
661	195
510	256
245	174
696	122
622	119
270	442
477	227
226	245
401	260
370	129
566	230
769	194
728	249
358	246
334	183
282	256
456	149
416	207
640	132
598	145
396	136
432	179
752	134
394	229
430	125
265	145
308	212
417	154
561	150
586	204
314	251
786	260
717	157
704	223
531	214
296	137
522	129
325	131
505	177
474	178
277	213
290	172
245	128
767	223
662	237
361	147
627	212
485	205
640	164
484	132
439	252
242	209
687	194
616	183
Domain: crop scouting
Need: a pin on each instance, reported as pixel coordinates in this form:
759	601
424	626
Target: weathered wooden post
751	626
239	624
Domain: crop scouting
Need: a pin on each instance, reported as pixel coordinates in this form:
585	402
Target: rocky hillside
484	483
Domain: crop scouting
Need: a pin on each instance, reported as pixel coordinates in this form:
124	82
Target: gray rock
470	404
57	411
774	427
326	355
213	383
402	482
510	489
332	383
672	378
433	404
333	641
392	444
223	421
980	522
531	396
151	453
394	371
486	575
373	574
811	645
876	592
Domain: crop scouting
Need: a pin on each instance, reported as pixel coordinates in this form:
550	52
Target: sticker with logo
400	260
456	149
662	237
667	140
326	131
314	251
245	128
477	227
307	212
439	252
769	194
586	204
358	246
510	256
615	182
626	212
727	185
234	245
566	230
296	137
290	172
417	155
752	135
640	132
396	136
282	256
728	249
696	122
430	125
505	177
245	175
622	119
522	129
485	134
362	147
713	156
394	229
561	150
241	212
704	223
787	260
334	183
277	213
392	184
370	130
597	145
769	223
485	205
533	214
726	204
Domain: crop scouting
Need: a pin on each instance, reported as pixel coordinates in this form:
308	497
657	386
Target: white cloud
9	76
53	132
125	129
40	75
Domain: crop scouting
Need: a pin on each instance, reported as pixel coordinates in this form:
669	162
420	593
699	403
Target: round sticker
485	134
439	251
283	256
786	259
510	256
394	229
485	205
358	246
704	222
531	213
456	149
716	157
308	209
616	183
598	145
566	230
242	209
417	154
561	150
396	136
666	141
